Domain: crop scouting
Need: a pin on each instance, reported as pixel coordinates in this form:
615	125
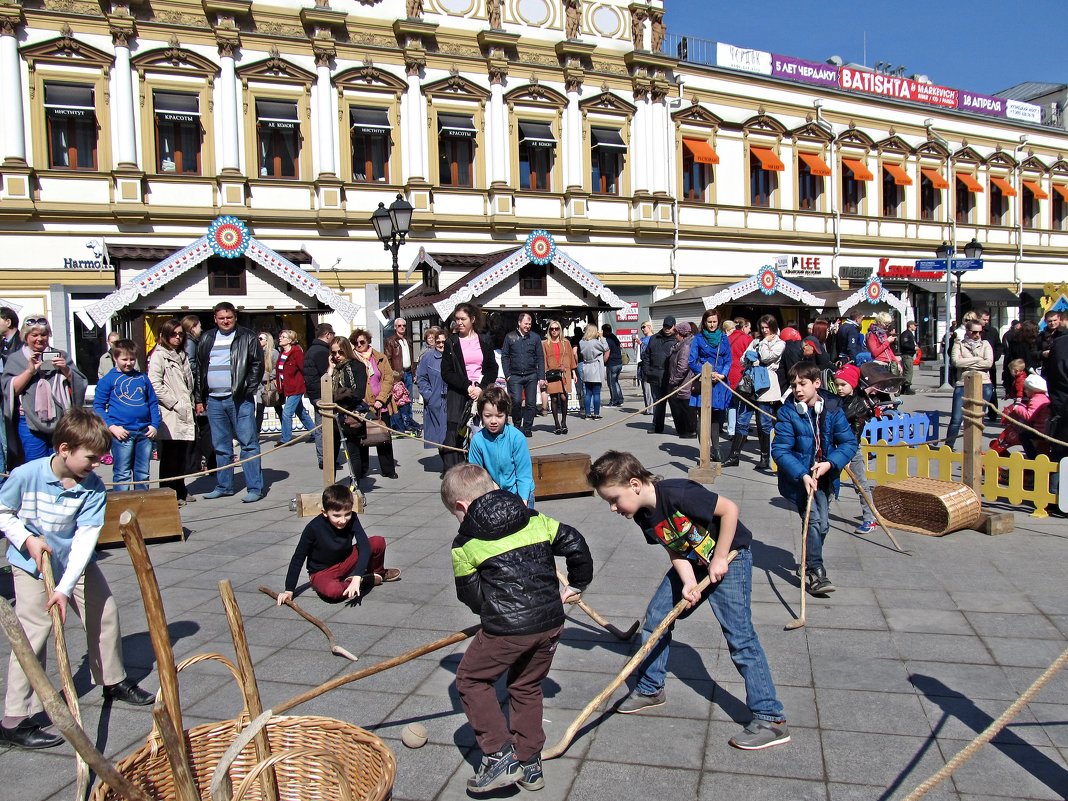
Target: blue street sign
956	265
931	264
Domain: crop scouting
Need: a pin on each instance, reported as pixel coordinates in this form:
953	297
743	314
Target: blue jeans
731	602
615	391
580	387
593	397
230	420
818	525
34	445
745	418
294	405
957	415
132	456
858	463
523	389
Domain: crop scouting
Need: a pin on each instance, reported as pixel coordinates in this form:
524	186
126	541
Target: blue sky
981	45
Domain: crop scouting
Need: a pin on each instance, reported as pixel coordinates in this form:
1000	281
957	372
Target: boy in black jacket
340	555
503	561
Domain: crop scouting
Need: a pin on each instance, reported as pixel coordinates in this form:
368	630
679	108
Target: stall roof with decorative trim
180	261
161	252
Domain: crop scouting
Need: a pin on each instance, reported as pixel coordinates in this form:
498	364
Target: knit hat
850	374
683	328
790	335
669	322
1035	383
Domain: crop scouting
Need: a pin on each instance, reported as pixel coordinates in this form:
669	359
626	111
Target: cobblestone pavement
894	673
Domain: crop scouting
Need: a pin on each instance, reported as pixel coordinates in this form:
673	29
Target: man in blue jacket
523	360
813	444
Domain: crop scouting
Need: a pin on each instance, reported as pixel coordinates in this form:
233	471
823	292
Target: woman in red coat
289	377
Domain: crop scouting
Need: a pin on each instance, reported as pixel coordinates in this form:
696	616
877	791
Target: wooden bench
561	475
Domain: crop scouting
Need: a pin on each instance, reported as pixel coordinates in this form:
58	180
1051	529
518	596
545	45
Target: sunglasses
362	342
36	321
335	353
554	328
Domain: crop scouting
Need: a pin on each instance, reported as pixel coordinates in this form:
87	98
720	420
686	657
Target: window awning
371	121
860	172
969	182
702	152
816	165
996	295
458	126
67	100
1036	190
176	107
278	114
1002	184
901	178
536	134
938	181
608	139
768	160
1061	189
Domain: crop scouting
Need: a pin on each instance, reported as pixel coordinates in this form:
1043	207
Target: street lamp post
392	226
947	253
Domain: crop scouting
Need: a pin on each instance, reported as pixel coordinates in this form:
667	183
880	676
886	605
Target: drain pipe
674	184
1017	283
836	214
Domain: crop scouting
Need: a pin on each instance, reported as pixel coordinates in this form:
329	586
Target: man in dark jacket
316	365
503	560
229	372
654	368
907	343
1055	372
398	352
523	360
850	339
991	335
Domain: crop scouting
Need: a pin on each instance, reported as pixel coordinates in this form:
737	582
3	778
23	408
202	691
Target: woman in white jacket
769	350
172	379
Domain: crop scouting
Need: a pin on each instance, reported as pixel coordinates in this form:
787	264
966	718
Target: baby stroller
880	385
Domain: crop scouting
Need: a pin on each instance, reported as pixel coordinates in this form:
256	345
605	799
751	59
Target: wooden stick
800	621
871	505
632	664
184	784
334	683
66	676
249	689
335	649
157	622
57	710
598	619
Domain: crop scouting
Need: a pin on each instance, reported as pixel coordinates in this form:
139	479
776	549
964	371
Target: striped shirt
220	382
33	501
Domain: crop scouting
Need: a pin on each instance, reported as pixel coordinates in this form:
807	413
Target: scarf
374	375
879	331
713	337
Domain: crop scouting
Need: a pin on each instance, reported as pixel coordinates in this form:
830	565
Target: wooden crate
156	510
561	475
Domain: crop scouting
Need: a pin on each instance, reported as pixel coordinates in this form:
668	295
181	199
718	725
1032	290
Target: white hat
1035	383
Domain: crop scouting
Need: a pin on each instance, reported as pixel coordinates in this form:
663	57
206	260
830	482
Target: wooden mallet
615	631
335	649
630	667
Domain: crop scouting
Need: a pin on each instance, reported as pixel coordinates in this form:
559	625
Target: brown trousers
331	582
526	660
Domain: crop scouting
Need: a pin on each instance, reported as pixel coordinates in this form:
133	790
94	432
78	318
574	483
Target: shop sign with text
907	272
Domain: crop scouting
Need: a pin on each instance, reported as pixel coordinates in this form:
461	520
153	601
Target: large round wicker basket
928	506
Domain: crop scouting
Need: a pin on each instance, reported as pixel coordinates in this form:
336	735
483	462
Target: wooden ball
414	735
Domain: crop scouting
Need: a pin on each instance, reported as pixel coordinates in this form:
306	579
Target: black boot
556	416
765	451
736	451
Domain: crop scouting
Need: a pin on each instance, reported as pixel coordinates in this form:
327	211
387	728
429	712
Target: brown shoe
391	574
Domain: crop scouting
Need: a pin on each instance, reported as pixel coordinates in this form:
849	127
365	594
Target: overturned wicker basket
322	749
928	506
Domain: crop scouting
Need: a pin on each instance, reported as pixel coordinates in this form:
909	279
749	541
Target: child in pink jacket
1034	412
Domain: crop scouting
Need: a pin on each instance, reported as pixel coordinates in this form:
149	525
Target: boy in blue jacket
500	448
127	402
813	444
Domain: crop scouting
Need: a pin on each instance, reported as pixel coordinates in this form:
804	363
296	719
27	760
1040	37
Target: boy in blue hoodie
125	399
813	444
500	448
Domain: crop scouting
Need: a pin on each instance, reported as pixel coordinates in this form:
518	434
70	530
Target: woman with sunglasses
379	399
433	389
39	384
468	366
559	367
289	375
269	394
349	382
172	379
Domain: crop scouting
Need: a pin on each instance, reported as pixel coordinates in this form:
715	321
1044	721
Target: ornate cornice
10	19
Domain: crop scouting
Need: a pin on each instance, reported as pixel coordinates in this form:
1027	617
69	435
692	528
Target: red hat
790	335
850	374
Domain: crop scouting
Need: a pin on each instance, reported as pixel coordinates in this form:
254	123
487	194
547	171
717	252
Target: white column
497	134
124	106
639	146
231	161
662	154
414	128
573	151
324	123
14	131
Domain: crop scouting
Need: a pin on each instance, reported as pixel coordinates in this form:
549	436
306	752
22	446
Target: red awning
969	181
1061	189
937	180
702	152
768	160
1036	190
860	172
1002	184
816	165
901	178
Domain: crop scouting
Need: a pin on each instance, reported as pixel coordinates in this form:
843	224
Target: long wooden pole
871	505
599	619
335	649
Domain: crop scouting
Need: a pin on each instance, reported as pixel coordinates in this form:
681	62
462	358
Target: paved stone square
893	674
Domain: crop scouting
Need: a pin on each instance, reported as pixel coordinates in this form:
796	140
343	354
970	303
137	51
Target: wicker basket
366	762
927	506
